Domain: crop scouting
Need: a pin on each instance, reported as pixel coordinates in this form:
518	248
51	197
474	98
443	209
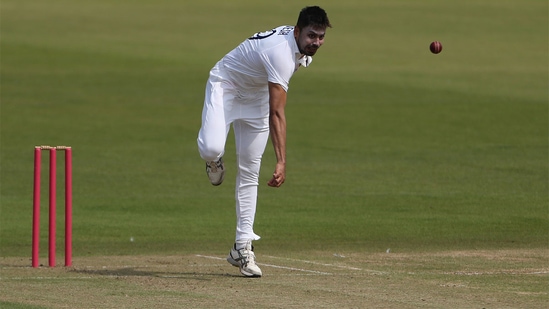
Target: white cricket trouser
248	112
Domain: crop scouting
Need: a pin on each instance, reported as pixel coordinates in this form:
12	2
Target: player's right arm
277	126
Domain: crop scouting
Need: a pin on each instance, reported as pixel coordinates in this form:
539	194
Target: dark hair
313	16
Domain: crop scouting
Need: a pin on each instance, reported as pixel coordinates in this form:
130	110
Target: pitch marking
273	266
328	265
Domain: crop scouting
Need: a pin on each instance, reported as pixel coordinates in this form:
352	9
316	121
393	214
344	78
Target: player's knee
249	167
209	152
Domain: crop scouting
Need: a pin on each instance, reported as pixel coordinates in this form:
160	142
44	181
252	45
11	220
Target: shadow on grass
134	272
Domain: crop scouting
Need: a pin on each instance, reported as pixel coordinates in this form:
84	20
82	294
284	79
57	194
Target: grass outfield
389	146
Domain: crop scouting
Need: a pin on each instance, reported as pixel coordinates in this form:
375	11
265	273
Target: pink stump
53	189
68	207
36	208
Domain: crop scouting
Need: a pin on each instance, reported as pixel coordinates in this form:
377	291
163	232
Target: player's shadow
133	272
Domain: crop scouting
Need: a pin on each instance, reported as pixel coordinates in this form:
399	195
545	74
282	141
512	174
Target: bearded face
309	39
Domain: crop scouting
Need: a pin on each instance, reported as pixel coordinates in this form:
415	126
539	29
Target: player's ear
296	32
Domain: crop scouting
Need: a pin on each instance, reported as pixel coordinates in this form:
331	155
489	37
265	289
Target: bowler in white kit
247	88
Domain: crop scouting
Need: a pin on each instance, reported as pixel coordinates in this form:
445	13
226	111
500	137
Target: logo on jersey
286	30
262	35
266	34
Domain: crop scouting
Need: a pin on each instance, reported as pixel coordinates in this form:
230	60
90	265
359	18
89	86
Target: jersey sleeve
279	65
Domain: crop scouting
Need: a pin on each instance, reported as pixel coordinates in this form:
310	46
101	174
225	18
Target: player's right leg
215	125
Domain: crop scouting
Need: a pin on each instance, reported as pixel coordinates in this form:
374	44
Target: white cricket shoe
245	260
215	171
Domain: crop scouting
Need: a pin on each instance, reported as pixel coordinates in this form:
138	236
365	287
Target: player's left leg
251	136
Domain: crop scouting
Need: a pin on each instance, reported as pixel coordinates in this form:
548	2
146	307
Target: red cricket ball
435	47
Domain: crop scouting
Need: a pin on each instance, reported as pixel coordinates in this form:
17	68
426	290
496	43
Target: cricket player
247	88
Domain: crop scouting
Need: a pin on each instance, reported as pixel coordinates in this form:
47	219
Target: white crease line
298	269
490	273
328	265
314	263
273	266
49	278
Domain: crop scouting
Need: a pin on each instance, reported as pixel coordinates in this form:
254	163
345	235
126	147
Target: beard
309	50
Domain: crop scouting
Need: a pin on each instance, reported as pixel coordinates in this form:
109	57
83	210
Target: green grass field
389	146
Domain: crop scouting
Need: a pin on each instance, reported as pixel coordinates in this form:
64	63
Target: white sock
241	244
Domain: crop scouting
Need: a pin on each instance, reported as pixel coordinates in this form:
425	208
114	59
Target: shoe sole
247	274
232	261
222	174
220	181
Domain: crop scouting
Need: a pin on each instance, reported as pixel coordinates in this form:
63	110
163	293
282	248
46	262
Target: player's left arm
277	123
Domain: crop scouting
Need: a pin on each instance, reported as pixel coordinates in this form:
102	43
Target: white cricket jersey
270	56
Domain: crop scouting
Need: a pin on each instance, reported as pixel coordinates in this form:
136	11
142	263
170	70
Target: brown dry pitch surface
456	279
